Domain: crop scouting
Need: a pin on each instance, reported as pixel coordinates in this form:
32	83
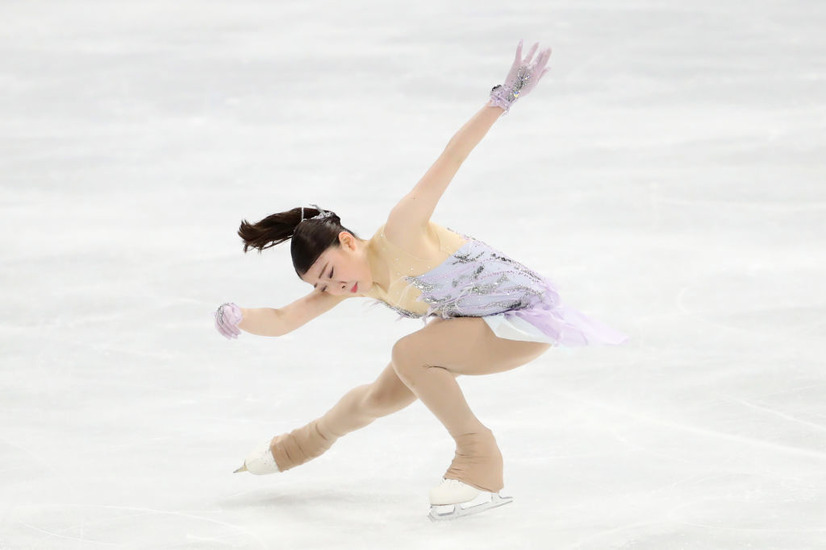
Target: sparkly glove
522	78
227	318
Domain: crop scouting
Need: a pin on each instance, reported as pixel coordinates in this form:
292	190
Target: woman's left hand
523	77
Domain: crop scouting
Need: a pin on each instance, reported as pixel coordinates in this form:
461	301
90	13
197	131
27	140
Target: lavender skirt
516	302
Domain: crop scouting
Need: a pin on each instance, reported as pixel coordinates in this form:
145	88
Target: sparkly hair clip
322	214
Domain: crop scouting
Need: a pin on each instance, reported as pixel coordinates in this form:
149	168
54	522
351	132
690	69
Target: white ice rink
668	174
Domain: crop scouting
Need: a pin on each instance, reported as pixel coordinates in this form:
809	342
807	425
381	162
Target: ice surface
668	175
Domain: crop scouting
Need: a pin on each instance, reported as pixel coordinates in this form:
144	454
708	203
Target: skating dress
475	280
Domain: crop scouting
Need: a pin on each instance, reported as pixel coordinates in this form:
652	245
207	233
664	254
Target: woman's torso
435	247
452	275
458	276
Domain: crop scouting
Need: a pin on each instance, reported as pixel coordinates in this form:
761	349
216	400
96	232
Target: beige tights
424	365
429	360
358	408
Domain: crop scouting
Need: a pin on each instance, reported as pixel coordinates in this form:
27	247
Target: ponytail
272	230
312	230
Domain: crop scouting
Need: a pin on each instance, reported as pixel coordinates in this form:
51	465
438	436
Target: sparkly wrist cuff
504	95
501	97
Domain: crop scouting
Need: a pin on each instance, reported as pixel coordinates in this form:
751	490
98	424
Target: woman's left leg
429	360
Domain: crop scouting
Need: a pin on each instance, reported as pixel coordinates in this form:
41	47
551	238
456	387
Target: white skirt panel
516	328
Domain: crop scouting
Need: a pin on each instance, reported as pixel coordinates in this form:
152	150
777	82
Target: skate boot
473	481
288	451
260	461
454	499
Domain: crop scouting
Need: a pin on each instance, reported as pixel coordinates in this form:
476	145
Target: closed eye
330	276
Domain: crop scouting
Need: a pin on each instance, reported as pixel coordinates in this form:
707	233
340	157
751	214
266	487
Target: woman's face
341	270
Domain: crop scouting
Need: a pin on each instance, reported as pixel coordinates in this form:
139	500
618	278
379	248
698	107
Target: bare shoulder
419	240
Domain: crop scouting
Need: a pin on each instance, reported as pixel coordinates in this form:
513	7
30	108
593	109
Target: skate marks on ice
106	526
720	445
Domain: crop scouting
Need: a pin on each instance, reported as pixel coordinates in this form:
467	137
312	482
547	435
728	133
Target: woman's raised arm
413	211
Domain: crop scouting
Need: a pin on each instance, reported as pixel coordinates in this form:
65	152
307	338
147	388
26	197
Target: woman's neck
379	271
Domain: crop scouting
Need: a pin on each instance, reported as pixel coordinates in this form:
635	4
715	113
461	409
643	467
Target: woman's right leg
358	408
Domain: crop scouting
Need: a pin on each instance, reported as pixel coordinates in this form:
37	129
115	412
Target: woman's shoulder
433	239
411	239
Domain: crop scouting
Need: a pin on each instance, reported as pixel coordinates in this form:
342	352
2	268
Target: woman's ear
347	240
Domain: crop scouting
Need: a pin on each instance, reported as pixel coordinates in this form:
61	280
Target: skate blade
456	511
243	468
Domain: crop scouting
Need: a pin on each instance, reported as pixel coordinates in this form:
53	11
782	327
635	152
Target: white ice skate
259	462
454	499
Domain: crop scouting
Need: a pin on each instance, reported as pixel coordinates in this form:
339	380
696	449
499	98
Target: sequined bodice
471	280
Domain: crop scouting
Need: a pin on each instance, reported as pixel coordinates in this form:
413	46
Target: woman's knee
404	356
382	399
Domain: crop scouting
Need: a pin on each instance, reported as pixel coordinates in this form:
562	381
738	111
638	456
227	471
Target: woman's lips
355	288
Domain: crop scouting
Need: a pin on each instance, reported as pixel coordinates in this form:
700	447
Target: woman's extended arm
269	321
469	135
412	214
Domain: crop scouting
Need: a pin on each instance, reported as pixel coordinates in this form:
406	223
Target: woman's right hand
227	318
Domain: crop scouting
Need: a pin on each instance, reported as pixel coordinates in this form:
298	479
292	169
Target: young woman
487	312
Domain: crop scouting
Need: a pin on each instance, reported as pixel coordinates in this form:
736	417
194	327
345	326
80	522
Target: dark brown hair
311	228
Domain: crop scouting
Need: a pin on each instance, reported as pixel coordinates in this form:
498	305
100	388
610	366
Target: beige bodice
399	294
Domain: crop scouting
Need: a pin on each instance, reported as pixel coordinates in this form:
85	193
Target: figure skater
485	313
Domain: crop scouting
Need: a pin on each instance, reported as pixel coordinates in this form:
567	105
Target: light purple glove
227	318
522	78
